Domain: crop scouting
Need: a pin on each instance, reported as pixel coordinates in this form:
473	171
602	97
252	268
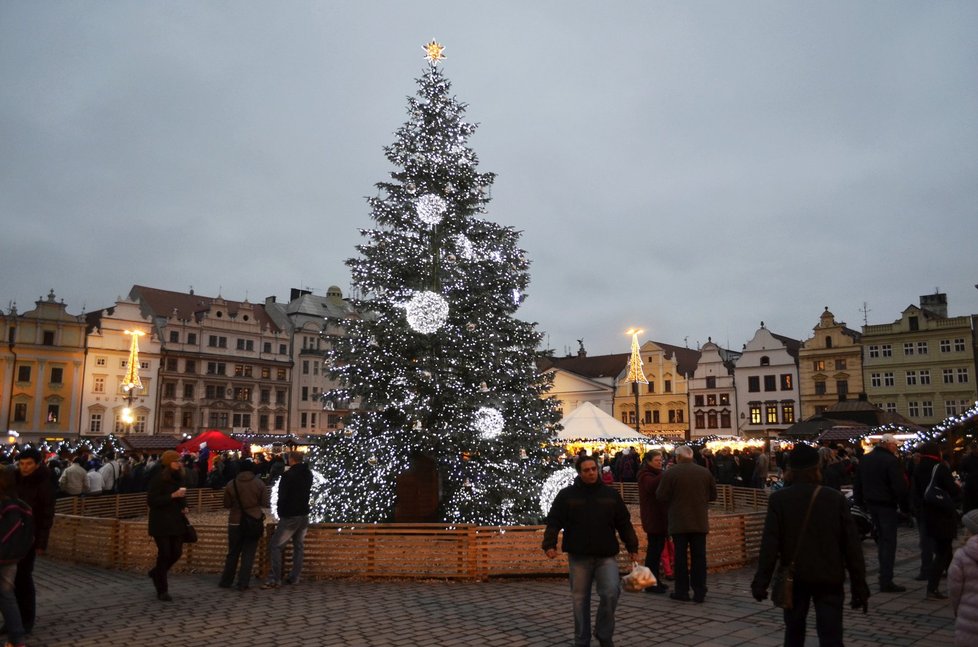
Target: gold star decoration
433	52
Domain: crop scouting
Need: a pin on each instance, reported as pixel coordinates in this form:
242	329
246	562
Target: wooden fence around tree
104	531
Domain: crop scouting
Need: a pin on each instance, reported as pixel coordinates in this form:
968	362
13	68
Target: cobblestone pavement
81	605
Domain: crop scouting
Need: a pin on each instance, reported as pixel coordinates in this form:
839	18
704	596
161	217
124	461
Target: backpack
16	530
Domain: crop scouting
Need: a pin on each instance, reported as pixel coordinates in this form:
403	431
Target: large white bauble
426	312
554	484
488	422
430	208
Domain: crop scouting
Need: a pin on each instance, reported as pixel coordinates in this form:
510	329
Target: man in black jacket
827	549
34	488
879	487
293	521
589	512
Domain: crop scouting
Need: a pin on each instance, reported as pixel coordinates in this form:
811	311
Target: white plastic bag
639	579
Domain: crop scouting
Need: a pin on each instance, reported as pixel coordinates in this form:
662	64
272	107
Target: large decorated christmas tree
437	370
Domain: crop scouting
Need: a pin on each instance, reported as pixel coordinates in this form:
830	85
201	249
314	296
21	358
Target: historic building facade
766	378
713	393
663	403
829	366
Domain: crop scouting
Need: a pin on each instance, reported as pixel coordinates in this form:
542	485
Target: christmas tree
437	368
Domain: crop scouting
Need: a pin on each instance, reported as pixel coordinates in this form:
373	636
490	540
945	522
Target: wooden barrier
127	506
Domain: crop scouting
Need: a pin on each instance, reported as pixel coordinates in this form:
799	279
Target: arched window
828	342
765	361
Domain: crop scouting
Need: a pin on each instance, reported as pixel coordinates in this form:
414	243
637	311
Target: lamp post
131	382
635	373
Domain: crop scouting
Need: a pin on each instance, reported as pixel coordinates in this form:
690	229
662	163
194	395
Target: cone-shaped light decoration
131	381
635	372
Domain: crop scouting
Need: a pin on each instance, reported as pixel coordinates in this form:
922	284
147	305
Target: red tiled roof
186	306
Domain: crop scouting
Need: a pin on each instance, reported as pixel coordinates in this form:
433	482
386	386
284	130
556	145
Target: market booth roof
587	422
216	440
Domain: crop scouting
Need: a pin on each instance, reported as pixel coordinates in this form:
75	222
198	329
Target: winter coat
880	479
655	519
687	488
165	512
254	496
294	490
37	491
726	469
829	547
589	515
938	523
962	588
73	480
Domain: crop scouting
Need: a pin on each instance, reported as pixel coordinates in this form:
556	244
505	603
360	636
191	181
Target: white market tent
587	422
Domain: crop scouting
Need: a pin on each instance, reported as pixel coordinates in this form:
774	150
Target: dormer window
765	361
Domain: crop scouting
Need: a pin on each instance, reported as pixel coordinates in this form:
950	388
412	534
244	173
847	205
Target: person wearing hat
879	487
166	497
245	494
822	554
962	585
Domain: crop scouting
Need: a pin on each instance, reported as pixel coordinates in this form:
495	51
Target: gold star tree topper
433	52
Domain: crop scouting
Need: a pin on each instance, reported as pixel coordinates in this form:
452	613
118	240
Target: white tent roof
588	421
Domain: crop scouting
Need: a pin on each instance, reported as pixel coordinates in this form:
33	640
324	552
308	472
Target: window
54	411
725	399
754	384
280	422
282	350
913	407
820	387
188	391
888	379
312	420
280	374
305	394
98	384
279	397
100	361
927	409
914	323
302	419
772	413
123	363
305	367
680	416
765	361
770	383
711	382
890	407
140	425
265	372
216	368
20	412
963	375
712	420
265	396
187	418
672	416
170	390
925	376
242	394
246	344
191	339
144	364
755	413
57	375
263	422
787	412
651	386
725	420
911	378
959	345
241	420
908	348
23	373
266	348
840	364
48	337
842	388
700	420
647	417
95	423
217	419
875	380
655	417
332	421
945	345
168	419
668	386
886	350
786	382
217	341
698	400
921	348
171	364
711	400
874	351
828	342
950	408
242	370
190	366
948	375
174	339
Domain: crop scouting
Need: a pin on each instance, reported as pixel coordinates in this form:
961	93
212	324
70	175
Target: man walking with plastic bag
590	513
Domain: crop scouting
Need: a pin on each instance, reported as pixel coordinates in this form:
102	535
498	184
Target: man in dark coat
688	488
590	512
938	524
655	521
879	487
293	520
34	488
828	548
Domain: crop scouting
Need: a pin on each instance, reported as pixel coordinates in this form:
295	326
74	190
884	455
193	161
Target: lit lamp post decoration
635	373
131	383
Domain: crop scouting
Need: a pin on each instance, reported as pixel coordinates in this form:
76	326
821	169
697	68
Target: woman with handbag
937	490
244	496
810	539
167	502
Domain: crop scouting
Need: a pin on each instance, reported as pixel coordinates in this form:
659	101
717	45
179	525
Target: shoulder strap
933	474
804	526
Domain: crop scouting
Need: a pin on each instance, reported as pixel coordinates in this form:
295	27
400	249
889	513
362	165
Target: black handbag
189	532
250	527
783	582
938	497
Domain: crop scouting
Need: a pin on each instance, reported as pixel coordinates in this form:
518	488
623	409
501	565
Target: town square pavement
82	605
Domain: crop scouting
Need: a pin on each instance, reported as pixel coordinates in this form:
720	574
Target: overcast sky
692	168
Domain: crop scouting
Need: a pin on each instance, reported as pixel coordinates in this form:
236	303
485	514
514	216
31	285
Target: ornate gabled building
922	365
226	365
41	366
713	393
766	377
663	403
829	366
103	399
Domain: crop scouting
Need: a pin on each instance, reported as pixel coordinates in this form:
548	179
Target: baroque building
829	366
663	403
766	379
922	365
713	393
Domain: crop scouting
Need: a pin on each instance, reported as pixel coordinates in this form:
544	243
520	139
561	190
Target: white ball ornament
554	484
488	422
430	208
426	312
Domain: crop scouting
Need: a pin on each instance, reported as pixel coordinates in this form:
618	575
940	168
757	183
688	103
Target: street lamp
131	382
635	373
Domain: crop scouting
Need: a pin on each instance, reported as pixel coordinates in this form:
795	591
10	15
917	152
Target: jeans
695	574
25	591
241	549
926	544
603	571
8	604
885	519
828	600
169	548
653	556
293	528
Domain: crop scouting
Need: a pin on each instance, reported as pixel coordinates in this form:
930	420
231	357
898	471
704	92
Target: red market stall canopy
215	440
